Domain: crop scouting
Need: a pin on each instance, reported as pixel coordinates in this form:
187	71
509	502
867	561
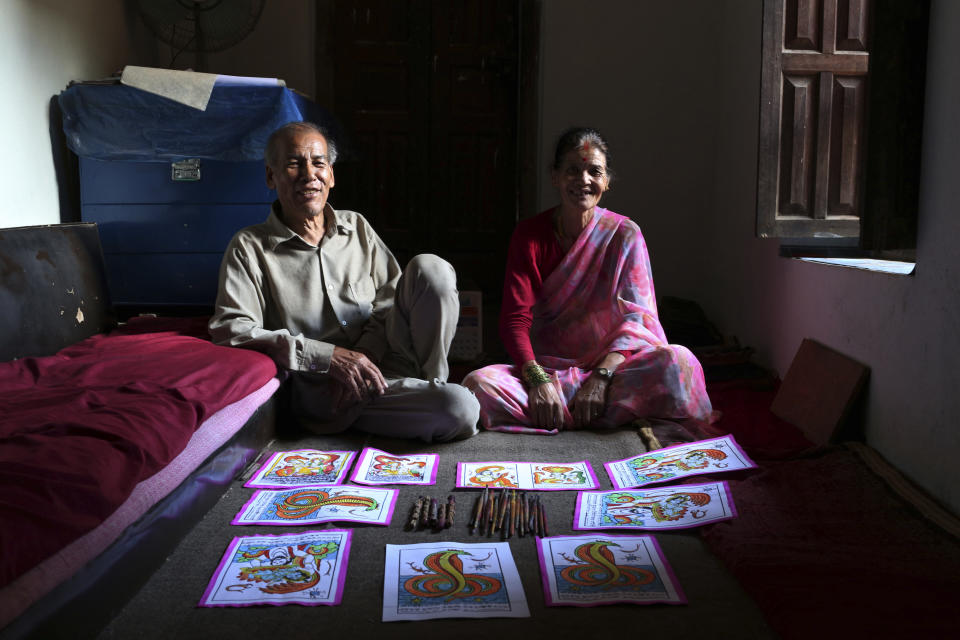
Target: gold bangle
534	375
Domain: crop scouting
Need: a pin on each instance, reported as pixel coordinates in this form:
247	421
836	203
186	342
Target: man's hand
359	377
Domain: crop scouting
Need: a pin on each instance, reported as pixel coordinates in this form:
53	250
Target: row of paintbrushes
509	512
427	512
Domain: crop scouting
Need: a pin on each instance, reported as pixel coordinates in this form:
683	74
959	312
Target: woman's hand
546	406
589	402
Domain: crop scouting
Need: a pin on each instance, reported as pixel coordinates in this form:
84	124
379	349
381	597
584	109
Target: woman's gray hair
576	137
270	151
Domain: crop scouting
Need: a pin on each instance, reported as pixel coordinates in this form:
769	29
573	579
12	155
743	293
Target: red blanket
78	430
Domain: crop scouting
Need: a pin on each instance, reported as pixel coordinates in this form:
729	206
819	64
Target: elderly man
317	290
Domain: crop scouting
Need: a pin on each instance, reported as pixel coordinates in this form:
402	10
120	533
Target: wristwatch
603	372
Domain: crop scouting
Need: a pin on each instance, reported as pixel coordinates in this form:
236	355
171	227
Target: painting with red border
302	468
679	461
590	570
306	568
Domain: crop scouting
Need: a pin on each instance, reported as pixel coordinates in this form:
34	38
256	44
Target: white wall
44	44
642	72
907	329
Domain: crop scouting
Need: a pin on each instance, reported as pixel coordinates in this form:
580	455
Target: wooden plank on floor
819	390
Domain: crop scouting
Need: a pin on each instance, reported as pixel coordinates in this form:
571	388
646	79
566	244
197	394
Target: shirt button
329	287
313	366
343	322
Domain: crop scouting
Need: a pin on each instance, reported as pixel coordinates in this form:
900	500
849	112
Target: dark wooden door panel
428	90
379	83
852	25
846	148
798	139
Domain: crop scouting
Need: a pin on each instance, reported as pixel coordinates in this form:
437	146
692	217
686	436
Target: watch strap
603	372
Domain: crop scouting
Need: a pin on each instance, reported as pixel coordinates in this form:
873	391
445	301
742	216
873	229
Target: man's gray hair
273	142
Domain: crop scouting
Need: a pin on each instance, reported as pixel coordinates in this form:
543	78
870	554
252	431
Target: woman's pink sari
599	299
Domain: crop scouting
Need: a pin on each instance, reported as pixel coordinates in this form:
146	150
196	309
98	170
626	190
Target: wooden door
427	90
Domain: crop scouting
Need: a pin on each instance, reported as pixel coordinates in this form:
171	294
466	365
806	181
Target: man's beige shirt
295	302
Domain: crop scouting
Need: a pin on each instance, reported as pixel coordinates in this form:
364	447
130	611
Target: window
840	125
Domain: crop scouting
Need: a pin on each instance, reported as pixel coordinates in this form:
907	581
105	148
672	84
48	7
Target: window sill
894	267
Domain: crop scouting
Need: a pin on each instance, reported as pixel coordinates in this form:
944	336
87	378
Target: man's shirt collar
336	223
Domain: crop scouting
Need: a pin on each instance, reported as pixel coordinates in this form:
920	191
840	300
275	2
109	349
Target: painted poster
679	461
379	467
541	476
302	468
298	568
452	580
587	570
313	505
672	507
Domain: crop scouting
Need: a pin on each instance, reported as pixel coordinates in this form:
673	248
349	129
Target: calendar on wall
468	341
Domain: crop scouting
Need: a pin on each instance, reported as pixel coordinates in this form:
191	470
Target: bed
114	440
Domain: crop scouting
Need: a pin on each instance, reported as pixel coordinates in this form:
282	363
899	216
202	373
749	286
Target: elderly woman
579	317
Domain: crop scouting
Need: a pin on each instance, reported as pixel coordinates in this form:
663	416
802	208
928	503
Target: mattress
208	438
82	429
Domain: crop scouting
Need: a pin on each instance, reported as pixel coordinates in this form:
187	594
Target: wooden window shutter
840	120
812	117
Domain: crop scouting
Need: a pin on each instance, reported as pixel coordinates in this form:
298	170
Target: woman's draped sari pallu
599	299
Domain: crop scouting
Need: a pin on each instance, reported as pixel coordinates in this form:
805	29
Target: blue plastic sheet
117	122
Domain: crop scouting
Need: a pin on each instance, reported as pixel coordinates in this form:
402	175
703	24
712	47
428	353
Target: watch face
603	373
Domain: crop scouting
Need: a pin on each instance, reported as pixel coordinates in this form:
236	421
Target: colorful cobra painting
588	570
670	464
312	505
446	580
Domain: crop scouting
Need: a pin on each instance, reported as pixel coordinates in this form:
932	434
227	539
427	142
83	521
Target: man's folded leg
315	404
432	411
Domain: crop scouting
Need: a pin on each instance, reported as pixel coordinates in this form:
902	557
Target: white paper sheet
590	570
679	461
313	505
186	87
191	88
451	580
671	507
379	467
306	568
302	468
